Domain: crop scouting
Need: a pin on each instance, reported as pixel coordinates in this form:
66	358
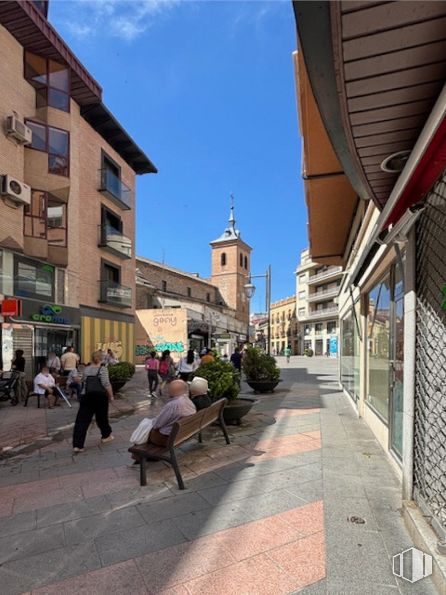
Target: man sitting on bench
178	406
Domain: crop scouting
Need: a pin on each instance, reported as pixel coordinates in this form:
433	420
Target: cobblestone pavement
267	515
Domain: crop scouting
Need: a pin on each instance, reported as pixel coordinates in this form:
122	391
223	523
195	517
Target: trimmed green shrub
257	365
222	377
121	372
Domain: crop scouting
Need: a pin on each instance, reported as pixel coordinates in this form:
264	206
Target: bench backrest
192	424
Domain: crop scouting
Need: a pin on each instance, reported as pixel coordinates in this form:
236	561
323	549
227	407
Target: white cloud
126	19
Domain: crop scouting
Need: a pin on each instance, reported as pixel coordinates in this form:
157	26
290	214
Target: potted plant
261	371
308	352
119	374
224	382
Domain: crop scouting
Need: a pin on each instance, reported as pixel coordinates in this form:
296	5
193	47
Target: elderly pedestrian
95	397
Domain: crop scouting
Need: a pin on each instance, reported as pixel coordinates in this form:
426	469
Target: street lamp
249	292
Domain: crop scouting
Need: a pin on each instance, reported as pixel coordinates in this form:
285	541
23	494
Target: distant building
284	326
317	287
176	310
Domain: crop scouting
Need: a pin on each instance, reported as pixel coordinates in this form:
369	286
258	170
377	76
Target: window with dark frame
208	297
51	80
111	273
164	285
110	219
55	142
223	259
246	262
241	260
33	278
189	292
46	217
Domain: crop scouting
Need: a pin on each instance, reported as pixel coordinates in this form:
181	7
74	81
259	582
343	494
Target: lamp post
249	292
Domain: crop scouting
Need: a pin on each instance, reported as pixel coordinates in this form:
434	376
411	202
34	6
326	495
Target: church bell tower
231	266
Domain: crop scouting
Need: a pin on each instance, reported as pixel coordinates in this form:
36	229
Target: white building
317	287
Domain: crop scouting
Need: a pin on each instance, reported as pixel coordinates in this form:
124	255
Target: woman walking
152	366
95	396
187	365
18	366
166	369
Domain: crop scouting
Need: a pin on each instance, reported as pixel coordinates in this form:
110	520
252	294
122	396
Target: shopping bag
141	434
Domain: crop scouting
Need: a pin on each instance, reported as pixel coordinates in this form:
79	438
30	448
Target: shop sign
333	343
52	314
11	307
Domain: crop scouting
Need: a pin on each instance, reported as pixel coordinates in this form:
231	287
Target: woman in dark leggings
93	402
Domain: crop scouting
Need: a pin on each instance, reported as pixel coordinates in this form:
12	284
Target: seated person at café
199	393
44	384
74	380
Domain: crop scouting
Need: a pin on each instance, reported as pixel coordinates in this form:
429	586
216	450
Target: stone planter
263	386
117	385
236	409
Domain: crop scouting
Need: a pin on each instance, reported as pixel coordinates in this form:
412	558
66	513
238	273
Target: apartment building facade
284	327
317	288
67	202
381	134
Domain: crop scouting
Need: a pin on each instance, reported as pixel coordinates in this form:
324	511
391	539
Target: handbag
93	385
141	434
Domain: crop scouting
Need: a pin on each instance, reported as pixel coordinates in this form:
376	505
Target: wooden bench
181	431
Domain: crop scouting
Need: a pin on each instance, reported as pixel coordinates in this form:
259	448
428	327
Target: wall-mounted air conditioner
18	130
15	190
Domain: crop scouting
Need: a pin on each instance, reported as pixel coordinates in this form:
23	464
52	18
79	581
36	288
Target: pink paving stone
29	488
177	590
280	413
256	576
256	537
113	580
6	505
107	486
81	479
284	451
181	563
304	559
306	519
46	499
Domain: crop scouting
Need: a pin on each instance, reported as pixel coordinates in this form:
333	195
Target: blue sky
207	90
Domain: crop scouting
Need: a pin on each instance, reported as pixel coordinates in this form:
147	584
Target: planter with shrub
261	371
120	374
224	383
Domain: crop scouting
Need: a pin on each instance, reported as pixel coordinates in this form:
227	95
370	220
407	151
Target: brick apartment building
67	204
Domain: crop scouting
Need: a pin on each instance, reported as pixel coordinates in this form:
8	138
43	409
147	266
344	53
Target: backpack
164	367
93	385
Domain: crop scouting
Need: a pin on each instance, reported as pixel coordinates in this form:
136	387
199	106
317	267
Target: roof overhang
376	70
328	191
32	30
103	121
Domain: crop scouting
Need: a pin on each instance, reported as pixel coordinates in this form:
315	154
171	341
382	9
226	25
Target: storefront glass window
33	279
379	347
350	345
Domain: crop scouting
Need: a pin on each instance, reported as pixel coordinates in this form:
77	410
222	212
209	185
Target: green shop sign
53	314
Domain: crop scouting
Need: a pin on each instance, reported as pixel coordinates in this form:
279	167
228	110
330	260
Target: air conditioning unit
18	130
15	190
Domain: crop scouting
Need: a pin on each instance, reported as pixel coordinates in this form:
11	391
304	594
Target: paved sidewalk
270	514
29	427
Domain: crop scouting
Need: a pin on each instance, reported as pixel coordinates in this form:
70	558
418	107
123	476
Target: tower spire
231	213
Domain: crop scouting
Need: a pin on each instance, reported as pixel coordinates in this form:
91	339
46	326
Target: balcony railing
115	189
113	240
332	272
115	294
332	311
322	295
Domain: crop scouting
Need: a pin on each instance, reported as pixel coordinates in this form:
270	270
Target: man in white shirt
69	360
44	384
